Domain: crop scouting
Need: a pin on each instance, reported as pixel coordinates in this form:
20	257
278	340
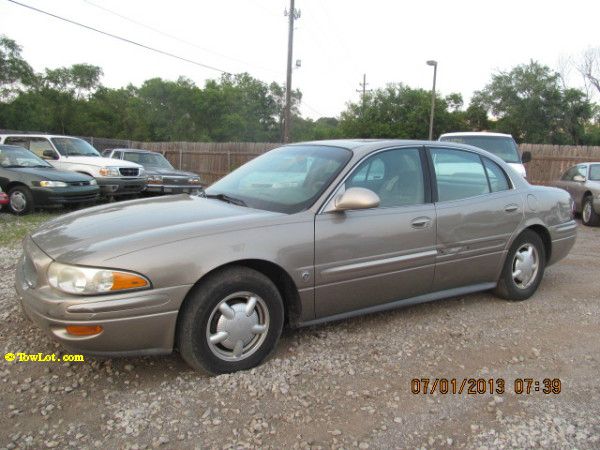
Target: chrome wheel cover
586	215
237	326
525	266
18	201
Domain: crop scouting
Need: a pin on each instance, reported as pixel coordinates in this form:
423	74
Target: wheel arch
544	235
14	184
279	276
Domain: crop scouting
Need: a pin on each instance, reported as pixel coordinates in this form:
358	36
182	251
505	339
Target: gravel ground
342	385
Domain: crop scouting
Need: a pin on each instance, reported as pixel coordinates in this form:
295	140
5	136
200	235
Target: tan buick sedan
303	234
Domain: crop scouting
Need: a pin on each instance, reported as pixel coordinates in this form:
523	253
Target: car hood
168	172
50	173
101	233
99	161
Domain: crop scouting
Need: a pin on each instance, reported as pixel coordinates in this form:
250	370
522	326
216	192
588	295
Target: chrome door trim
378	262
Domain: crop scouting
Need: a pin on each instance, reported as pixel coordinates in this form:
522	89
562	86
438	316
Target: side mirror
49	154
356	198
579	178
526	157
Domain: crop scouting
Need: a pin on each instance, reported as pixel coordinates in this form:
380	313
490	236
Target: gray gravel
343	385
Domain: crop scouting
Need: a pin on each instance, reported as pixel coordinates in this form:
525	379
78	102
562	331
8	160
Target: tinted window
498	179
575	170
395	175
459	174
35	144
74	147
502	146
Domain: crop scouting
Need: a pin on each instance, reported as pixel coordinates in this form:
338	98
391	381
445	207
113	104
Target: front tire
523	269
20	200
589	217
231	321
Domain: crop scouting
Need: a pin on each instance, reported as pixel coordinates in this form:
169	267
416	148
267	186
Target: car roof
476	133
42	135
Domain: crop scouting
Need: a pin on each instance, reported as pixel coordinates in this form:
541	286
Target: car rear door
477	212
369	257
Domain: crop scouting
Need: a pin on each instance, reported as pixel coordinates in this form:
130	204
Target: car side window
395	175
117	155
18	141
459	174
497	177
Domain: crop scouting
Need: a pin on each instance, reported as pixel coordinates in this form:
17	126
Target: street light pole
434	64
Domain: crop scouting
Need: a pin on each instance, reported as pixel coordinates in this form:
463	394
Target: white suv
501	145
114	177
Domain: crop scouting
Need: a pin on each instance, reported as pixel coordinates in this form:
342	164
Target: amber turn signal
84	330
122	281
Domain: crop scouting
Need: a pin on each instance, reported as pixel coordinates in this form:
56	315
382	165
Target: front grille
127	172
175	180
79	183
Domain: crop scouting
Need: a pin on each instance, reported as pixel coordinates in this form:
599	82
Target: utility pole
287	114
364	91
434	64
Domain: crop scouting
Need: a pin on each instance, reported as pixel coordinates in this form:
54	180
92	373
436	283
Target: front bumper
121	186
67	195
134	323
173	189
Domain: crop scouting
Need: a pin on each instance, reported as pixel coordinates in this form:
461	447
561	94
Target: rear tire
21	200
523	268
589	217
231	321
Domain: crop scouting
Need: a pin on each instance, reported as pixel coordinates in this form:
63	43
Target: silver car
304	234
583	183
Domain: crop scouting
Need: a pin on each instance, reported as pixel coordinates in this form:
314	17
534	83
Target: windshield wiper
227	198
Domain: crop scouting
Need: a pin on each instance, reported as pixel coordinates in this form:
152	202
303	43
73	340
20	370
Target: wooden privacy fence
213	160
210	160
549	162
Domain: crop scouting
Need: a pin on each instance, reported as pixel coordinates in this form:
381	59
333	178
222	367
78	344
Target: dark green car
30	181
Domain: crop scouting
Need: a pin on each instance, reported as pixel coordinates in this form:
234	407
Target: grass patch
14	228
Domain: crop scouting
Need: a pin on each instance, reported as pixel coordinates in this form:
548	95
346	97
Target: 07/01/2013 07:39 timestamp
474	386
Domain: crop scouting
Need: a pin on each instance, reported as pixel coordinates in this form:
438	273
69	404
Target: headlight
93	182
90	281
50	184
109	172
155	179
194	180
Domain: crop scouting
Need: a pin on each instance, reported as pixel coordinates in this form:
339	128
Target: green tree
530	103
15	72
399	111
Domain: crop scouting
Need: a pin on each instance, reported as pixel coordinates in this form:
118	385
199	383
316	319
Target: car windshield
74	147
595	172
501	146
20	157
286	180
148	159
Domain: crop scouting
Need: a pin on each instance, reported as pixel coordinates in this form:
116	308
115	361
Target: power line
176	38
114	36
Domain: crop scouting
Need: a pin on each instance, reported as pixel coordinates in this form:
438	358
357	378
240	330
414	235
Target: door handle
511	208
421	222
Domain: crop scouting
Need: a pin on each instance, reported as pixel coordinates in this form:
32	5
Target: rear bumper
563	238
134	323
121	186
61	196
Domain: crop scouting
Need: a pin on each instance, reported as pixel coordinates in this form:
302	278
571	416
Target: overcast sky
337	40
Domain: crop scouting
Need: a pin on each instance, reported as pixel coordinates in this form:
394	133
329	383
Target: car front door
477	212
369	257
